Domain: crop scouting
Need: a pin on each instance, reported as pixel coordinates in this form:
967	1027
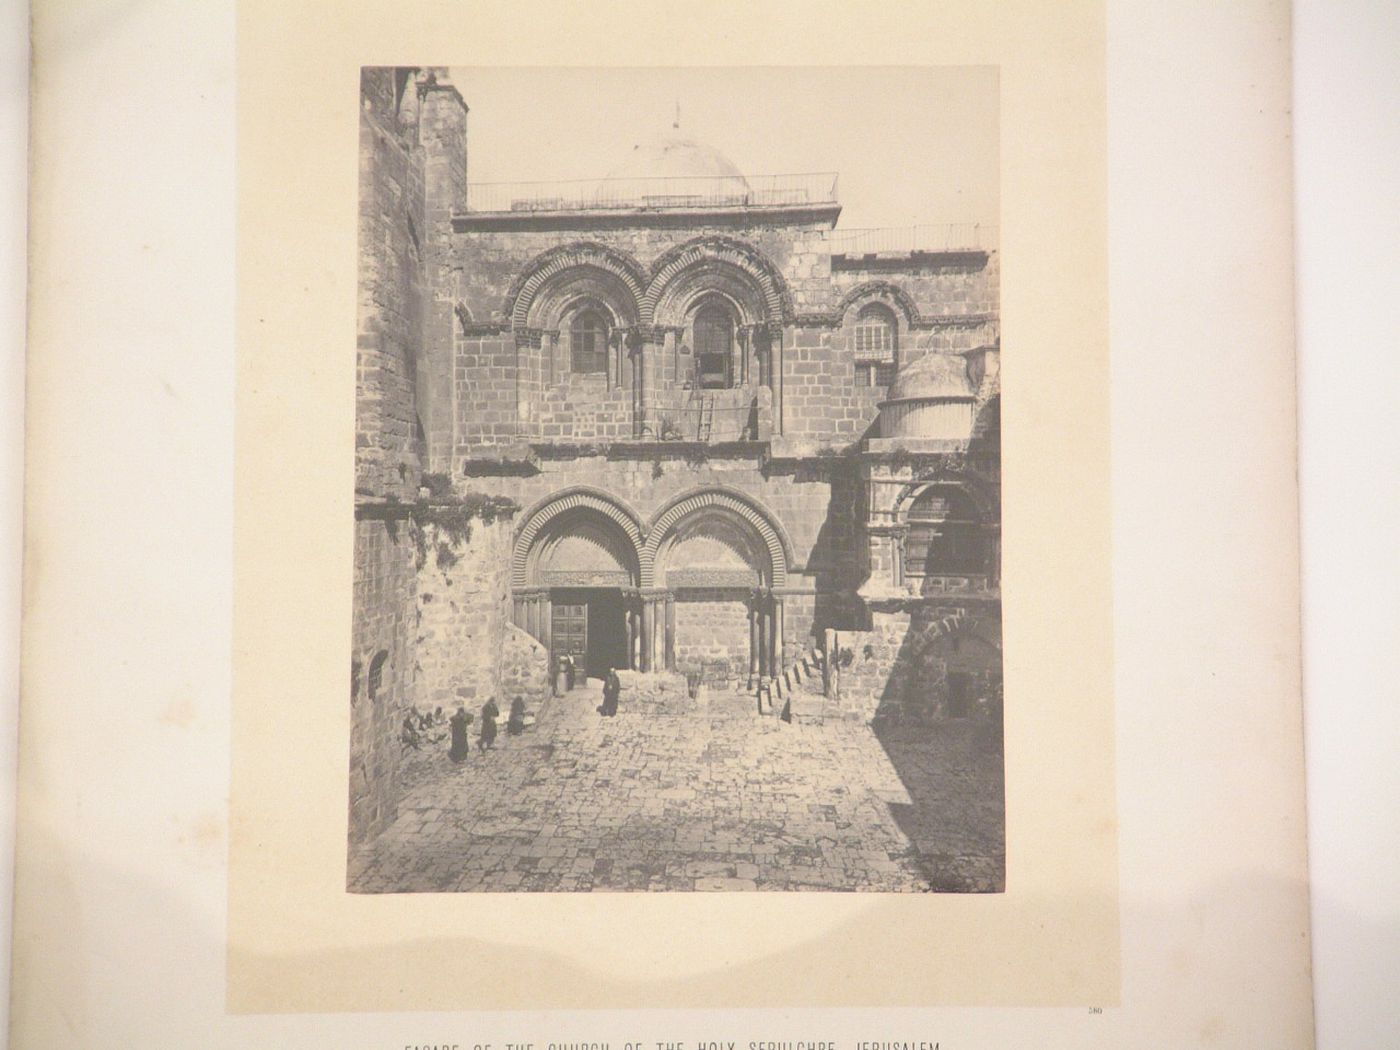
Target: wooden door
569	632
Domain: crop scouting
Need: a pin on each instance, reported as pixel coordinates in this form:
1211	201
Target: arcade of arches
700	589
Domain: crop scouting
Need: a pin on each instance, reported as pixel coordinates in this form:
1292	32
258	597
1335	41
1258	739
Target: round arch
976	492
886	294
590	514
555	277
723	506
707	263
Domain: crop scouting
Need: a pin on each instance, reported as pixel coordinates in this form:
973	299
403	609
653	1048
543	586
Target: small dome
933	376
671	157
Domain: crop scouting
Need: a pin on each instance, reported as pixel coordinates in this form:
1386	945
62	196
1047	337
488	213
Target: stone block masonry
463	608
712	630
697	495
382	669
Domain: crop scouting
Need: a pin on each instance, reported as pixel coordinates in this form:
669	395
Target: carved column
765	634
670	631
775	366
897	556
629	633
755	642
637	353
648	633
779	657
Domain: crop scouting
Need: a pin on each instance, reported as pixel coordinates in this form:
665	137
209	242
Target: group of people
436	727
486	738
418	729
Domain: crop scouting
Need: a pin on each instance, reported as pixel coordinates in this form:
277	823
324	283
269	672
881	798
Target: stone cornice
835	319
645	218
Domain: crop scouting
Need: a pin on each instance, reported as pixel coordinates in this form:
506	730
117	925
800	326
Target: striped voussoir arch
563	503
582	255
698	501
721	249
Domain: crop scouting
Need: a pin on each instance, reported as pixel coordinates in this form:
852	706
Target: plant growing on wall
451	518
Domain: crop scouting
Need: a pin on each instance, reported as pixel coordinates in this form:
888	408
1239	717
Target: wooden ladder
706	421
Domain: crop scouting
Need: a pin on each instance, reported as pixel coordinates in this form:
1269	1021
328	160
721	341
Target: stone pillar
628	630
775	358
654	630
670	631
829	650
638	407
649	351
765	633
755	642
897	557
779	657
648	632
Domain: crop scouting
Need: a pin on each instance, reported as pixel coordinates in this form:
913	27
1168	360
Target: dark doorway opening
959	694
589	625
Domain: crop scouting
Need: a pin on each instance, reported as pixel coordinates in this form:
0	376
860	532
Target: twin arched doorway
696	589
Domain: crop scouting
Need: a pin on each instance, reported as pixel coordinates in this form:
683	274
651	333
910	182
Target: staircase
798	693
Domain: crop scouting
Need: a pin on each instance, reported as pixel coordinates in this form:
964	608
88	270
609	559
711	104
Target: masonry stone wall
388	441
442	137
464	608
382	638
712	628
491	261
524	671
898	669
814	514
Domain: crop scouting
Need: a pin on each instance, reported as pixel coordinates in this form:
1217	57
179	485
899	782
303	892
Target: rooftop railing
719	191
905	240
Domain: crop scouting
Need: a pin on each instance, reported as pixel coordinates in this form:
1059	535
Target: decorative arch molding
700	500
978	492
572	500
607	266
883	292
718	256
712	278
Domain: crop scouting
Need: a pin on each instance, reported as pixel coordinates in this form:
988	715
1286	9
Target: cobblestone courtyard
714	799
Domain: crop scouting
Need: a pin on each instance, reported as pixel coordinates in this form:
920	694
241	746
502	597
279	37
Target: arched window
376	674
588	342
714	347
945	535
875	346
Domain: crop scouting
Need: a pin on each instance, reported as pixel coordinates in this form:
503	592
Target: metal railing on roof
718	191
931	237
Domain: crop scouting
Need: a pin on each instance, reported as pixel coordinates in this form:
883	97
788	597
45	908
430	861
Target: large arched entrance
575	580
721	564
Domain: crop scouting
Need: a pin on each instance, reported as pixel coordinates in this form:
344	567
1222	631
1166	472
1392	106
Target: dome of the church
673	157
932	376
930	398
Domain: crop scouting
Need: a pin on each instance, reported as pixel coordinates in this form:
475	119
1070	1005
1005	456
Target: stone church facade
674	422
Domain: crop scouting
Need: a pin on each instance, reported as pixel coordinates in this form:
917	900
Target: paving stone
681	801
